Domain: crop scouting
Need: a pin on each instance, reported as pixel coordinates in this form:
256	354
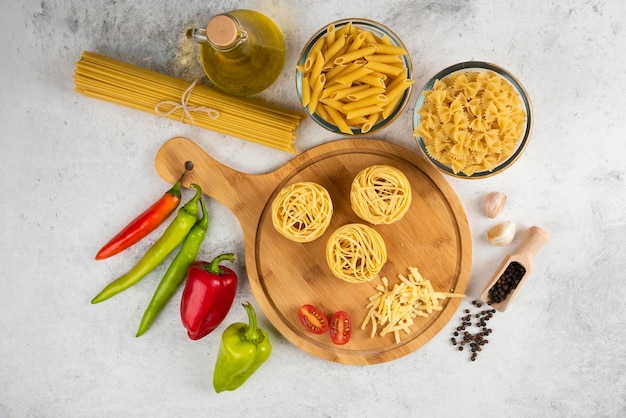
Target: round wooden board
433	236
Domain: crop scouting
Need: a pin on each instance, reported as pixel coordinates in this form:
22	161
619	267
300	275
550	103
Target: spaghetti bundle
118	82
302	211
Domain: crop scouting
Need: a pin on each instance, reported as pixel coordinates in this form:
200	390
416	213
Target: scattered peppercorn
477	340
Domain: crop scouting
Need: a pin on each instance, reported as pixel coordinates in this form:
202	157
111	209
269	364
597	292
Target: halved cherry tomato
313	319
340	328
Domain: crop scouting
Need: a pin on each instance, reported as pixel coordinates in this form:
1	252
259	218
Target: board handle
215	178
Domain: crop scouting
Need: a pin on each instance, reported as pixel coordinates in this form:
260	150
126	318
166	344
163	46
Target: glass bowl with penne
354	76
472	120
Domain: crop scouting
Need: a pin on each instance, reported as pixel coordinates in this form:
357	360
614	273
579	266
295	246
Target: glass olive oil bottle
242	52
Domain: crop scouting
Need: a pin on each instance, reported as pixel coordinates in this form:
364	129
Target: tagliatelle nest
356	253
302	211
380	194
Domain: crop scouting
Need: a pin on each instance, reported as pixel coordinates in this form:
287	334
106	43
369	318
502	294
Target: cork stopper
221	31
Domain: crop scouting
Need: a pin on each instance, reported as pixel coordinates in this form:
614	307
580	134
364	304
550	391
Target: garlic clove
502	234
493	203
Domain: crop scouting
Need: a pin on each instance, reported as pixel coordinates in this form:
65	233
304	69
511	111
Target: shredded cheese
392	310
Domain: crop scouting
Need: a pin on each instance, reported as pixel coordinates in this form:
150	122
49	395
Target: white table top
74	169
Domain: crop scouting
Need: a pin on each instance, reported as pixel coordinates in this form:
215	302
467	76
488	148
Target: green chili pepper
177	271
244	348
171	238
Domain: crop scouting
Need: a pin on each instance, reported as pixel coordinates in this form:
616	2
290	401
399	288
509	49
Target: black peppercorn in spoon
513	270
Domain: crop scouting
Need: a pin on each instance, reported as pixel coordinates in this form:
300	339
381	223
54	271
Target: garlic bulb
502	234
493	203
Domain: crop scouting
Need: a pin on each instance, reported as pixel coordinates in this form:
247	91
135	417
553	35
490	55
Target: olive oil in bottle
242	52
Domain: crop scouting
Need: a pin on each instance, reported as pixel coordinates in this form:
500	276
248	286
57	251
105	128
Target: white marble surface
73	169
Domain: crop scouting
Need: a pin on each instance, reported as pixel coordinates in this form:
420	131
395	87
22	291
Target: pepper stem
175	189
252	333
214	266
204	221
194	200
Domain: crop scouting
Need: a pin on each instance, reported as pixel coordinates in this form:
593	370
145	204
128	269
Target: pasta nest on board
380	194
356	253
302	211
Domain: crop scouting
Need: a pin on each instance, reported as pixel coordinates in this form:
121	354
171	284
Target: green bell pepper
244	348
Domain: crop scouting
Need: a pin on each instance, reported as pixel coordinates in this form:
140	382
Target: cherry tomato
340	328
313	319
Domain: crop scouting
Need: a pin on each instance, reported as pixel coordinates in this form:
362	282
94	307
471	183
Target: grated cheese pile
393	310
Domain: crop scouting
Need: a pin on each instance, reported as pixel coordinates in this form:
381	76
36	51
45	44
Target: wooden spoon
518	264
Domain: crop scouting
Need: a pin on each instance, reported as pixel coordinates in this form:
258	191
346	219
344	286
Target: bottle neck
225	33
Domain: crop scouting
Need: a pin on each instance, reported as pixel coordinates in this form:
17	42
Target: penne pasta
349	78
346	69
379	100
357	121
366	76
317	47
386	40
397	90
363	93
334	48
334	104
340	92
373	81
390	49
306	90
322	113
316	92
387	59
363	111
384	68
317	66
346	30
370	38
354	55
334	72
331	35
370	122
357	42
391	106
339	120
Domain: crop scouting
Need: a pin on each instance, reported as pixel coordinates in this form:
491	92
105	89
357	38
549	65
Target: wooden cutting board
433	236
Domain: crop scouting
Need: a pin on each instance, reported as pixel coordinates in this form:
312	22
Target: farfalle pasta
471	121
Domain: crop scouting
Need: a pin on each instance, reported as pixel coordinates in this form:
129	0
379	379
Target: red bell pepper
208	296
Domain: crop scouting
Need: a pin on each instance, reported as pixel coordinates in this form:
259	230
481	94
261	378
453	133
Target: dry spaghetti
302	211
356	253
380	194
118	82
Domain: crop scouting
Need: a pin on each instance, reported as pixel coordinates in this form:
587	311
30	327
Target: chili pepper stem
175	189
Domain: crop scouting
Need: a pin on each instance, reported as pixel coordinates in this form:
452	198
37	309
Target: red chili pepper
208	296
145	223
